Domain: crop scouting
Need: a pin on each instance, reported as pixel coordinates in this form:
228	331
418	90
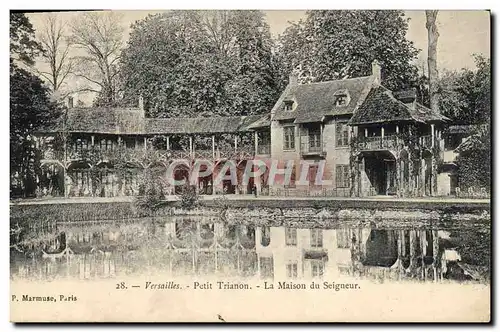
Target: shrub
189	197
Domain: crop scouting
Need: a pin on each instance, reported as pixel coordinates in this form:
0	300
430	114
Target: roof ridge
339	80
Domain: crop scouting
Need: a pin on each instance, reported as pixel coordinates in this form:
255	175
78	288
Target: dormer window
342	98
289	105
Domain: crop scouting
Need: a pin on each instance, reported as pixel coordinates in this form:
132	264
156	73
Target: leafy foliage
188	63
189	197
23	46
30	108
465	96
334	44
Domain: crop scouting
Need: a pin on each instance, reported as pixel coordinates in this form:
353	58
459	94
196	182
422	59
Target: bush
189	197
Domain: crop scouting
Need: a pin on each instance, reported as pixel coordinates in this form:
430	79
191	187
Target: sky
461	33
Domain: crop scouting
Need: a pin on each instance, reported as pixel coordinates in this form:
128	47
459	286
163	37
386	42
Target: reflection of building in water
184	246
181	247
286	253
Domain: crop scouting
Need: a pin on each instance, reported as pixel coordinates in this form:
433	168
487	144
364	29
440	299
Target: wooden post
194	146
256	139
432	134
92	138
321	136
235	143
145	143
168	142
213	147
397	129
366	132
216	261
191	146
383	131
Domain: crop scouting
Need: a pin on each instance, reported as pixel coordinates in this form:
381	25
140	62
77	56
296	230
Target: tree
23	46
30	107
253	85
189	63
99	37
432	39
336	44
465	96
56	50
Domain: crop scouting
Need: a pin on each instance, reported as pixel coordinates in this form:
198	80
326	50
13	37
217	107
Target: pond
384	250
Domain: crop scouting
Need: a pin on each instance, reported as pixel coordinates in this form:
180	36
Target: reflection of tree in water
473	246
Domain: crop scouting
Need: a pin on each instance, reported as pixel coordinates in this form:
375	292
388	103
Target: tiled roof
317	100
132	121
209	125
472	142
381	106
102	120
262	122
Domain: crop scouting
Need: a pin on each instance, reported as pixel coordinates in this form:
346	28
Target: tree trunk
432	38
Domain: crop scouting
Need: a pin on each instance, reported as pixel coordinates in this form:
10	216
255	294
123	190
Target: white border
186	4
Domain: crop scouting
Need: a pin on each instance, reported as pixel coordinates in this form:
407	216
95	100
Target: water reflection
179	246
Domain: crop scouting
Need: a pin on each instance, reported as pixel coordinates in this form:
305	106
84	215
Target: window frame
319	266
342	175
292	270
343	238
291	138
341	96
288	105
290	237
316	238
341	128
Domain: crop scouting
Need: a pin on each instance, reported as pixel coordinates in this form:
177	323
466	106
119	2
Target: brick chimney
141	106
377	71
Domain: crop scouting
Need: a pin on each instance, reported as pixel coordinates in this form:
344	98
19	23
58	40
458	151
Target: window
289	138
106	144
80	144
316	238
342	176
342	134
265	239
291	236
341	100
343	238
317	268
315	139
266	267
288	105
291	270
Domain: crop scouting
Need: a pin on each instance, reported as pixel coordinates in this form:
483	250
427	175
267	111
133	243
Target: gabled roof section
381	106
101	120
315	101
473	142
261	122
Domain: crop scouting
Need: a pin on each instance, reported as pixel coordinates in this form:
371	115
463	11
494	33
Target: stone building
355	135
